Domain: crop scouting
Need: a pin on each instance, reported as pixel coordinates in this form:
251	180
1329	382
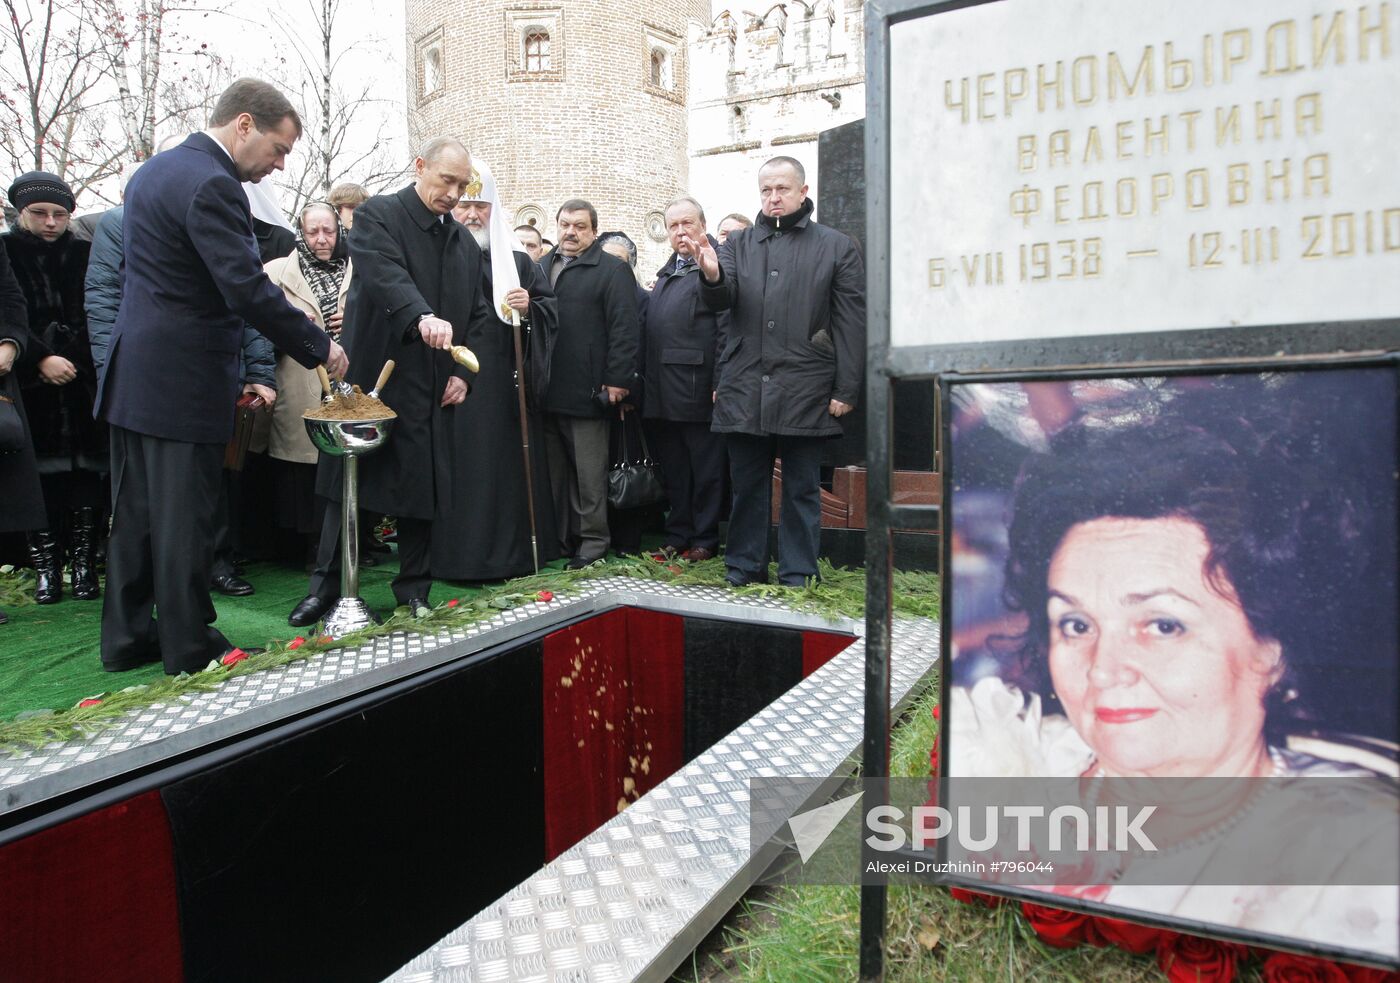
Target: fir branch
840	593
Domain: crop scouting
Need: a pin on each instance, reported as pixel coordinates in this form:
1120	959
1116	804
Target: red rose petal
234	657
1284	967
1192	959
545	595
296	643
91	701
1128	935
1057	927
452	603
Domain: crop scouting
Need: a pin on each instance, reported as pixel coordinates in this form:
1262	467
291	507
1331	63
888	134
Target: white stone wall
766	84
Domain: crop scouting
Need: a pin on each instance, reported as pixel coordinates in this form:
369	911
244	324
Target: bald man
415	293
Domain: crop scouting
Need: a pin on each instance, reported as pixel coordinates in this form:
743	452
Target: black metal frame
1134	353
951	381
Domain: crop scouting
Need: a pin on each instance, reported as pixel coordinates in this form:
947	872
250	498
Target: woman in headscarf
59	383
315	278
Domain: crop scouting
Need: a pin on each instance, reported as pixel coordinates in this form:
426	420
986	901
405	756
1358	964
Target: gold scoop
464	356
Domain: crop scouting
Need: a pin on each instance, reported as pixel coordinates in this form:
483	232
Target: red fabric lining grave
819	648
91	899
624	670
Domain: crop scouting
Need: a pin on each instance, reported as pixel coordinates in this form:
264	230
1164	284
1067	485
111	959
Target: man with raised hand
792	364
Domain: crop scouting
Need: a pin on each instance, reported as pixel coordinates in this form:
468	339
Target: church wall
620	142
765	84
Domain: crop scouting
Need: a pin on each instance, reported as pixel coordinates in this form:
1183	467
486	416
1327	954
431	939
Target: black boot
48	564
82	559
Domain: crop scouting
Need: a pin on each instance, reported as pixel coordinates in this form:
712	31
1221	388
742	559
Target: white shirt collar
219	143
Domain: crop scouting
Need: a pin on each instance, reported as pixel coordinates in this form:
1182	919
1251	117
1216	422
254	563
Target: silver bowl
348	437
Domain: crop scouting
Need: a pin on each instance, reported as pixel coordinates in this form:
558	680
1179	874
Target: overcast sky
249	37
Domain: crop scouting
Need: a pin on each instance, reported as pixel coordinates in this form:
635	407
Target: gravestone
841	205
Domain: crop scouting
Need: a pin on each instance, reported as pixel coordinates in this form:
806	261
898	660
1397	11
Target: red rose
91	701
1284	967
1365	974
1057	927
1192	959
296	643
1128	935
452	603
234	657
976	897
545	595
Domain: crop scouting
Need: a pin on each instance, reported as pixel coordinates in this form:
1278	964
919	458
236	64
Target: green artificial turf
49	654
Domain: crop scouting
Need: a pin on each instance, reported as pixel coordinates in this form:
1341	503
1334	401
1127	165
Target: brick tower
564	98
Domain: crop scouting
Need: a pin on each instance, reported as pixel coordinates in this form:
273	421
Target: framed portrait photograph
1183	580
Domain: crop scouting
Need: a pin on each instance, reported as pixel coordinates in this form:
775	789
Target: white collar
219	143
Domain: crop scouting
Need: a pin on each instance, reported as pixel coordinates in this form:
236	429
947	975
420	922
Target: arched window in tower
536	50
661	76
432	69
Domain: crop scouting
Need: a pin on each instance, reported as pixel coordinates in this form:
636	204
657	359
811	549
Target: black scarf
324	276
786	221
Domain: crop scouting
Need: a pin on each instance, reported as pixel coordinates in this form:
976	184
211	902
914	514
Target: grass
811	933
47	713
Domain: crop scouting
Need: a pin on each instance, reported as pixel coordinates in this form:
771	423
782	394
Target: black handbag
633	484
12	433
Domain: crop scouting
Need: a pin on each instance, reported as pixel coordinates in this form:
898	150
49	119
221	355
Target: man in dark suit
416	290
595	362
192	280
681	338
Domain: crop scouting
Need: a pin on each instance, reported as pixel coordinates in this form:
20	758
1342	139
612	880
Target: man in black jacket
791	365
680	337
594	361
415	293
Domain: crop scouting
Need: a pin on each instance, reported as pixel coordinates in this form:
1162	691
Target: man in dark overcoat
416	292
792	364
680	338
192	281
595	361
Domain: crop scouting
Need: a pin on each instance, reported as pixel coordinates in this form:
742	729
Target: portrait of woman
1189	577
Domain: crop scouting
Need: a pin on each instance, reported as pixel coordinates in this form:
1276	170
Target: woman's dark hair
1287	533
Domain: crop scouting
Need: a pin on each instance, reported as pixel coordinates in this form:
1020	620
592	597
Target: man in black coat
680	338
594	362
416	292
192	281
791	365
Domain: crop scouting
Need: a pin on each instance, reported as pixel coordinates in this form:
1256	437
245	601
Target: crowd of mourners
156	359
